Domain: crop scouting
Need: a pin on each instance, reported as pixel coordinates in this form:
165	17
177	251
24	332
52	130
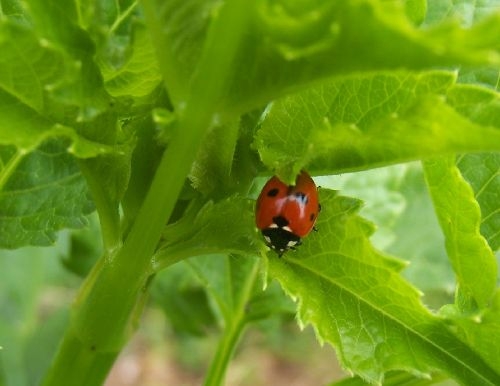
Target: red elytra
286	213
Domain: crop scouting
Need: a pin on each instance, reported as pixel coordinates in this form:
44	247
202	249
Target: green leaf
139	75
42	194
179	46
418	238
56	25
20	125
356	300
289	45
211	172
483	332
225	279
381	191
25	129
314	40
112	27
145	158
227	163
199	231
29	66
480	104
395	378
396	199
107	178
222	275
22	130
467	12
369	121
460	218
232	290
482	172
230	293
184	301
486	76
13	9
218	59
235	290
85	248
416	10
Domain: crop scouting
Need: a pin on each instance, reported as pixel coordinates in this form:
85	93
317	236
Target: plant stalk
235	327
111	298
224	353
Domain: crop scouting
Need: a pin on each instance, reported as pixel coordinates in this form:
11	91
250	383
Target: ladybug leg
315	229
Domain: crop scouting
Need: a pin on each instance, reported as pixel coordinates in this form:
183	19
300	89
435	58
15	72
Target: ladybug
286	213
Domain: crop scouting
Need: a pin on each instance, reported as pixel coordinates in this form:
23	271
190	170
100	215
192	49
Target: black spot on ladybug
311	217
280	221
273	192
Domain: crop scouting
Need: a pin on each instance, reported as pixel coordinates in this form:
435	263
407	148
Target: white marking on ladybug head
273	225
268	239
291	243
287	228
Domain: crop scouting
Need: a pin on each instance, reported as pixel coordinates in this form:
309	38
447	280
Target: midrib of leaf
480	191
489	215
123	16
10	167
39	187
24	62
400	322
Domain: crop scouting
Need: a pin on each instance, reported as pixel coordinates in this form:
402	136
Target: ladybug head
280	239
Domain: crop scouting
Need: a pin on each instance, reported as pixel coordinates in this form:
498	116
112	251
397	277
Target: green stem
170	256
235	327
97	330
109	217
207	88
112	296
82	367
225	349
